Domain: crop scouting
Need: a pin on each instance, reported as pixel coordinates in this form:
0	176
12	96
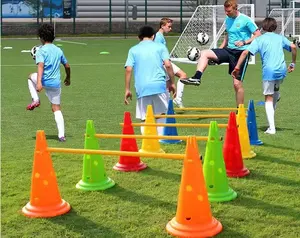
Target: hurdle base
170	141
256	142
103	185
130	167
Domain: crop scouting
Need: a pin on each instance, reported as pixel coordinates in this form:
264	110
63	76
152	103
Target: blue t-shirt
239	28
270	47
147	58
159	38
52	57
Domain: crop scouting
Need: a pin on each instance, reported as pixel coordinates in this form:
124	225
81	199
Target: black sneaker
191	81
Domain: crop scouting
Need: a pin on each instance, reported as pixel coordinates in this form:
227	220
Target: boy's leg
32	80
160	106
276	96
53	95
268	87
180	86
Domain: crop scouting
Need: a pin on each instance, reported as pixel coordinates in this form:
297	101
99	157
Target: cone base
170	141
256	142
130	167
249	155
222	197
152	151
199	230
46	211
238	174
107	183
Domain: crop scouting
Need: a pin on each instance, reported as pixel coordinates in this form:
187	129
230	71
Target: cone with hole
252	127
150	145
247	153
45	200
129	163
193	217
232	150
170	131
93	173
214	168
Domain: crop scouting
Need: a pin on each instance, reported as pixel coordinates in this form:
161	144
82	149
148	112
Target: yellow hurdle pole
115	153
193	116
175	125
110	136
206	109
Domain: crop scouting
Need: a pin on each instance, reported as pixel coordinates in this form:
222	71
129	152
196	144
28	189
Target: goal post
211	20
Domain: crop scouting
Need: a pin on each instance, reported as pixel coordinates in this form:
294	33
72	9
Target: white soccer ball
193	53
202	38
34	50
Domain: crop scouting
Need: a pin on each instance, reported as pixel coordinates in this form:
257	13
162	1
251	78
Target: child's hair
46	32
269	24
146	31
164	21
230	3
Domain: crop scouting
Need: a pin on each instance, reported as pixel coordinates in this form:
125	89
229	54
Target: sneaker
178	103
191	81
270	131
33	105
62	139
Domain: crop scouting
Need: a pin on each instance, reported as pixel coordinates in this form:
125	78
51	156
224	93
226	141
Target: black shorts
232	56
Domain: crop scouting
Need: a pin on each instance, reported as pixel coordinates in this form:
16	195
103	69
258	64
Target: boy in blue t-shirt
270	47
48	58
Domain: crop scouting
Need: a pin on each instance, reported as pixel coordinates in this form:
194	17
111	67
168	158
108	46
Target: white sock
142	128
160	129
276	96
180	88
270	114
32	90
60	123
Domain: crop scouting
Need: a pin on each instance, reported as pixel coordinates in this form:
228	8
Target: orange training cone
45	200
129	163
150	145
193	216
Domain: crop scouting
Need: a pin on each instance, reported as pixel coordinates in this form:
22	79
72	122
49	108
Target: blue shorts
231	56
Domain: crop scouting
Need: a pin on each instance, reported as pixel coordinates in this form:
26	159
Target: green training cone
214	168
93	174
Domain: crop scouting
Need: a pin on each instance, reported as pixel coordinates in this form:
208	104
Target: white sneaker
178	103
270	131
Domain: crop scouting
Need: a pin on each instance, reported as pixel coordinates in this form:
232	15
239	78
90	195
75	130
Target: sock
197	75
160	129
179	93
270	114
33	91
142	128
60	123
276	96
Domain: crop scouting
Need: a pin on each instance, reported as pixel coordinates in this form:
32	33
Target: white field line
71	42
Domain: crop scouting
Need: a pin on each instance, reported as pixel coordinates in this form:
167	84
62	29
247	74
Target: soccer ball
202	38
34	50
193	53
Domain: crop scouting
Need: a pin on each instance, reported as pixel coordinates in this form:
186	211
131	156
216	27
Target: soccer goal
211	20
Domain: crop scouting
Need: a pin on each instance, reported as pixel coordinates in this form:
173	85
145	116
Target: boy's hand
235	73
67	81
128	95
172	88
291	67
39	87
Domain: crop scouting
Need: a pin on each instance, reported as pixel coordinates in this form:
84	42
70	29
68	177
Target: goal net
209	19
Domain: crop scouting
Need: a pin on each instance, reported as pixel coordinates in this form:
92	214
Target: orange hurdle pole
115	152
110	136
175	125
193	116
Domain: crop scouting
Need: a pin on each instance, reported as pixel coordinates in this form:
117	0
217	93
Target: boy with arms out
270	46
147	59
48	58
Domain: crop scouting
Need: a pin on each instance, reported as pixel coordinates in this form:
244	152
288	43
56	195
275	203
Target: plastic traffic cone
93	174
252	127
150	145
214	168
170	131
247	153
45	200
129	163
232	150
193	217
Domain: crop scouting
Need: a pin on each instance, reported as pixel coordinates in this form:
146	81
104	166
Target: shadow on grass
263	128
227	232
280	147
143	199
51	137
278	161
72	221
162	174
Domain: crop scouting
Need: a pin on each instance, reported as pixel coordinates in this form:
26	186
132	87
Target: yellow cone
150	145
247	153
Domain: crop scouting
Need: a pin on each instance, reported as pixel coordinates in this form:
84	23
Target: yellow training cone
150	145
247	153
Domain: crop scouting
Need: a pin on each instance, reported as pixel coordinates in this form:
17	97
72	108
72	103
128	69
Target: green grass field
141	204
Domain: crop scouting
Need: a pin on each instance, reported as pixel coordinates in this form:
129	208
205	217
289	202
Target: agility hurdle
175	125
206	109
193	116
157	137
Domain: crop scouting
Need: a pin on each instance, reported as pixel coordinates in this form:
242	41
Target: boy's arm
40	73
128	94
236	70
294	57
67	81
225	42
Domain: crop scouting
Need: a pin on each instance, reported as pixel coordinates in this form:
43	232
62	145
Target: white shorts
159	104
53	94
176	69
269	87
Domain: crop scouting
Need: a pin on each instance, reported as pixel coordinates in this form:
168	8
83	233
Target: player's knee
182	75
237	84
55	107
